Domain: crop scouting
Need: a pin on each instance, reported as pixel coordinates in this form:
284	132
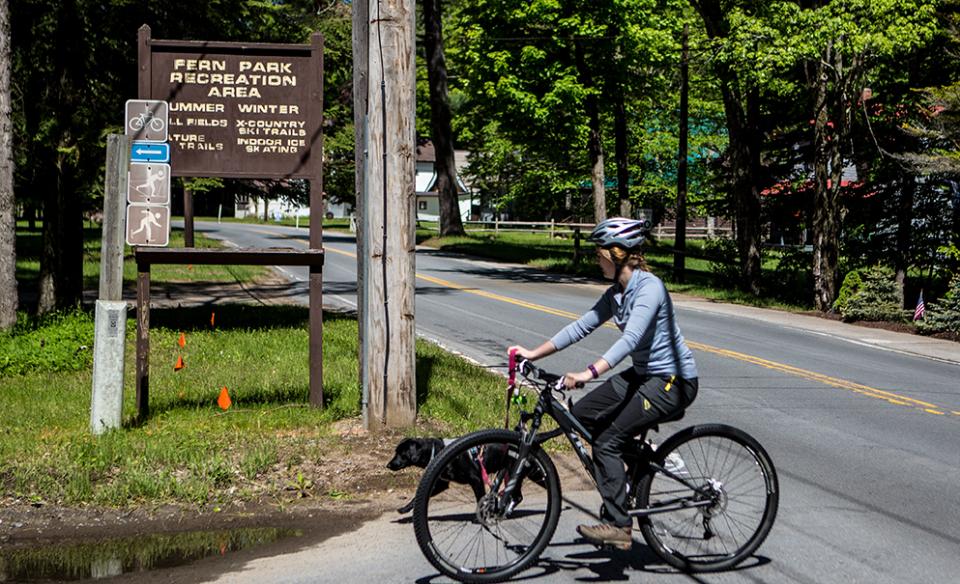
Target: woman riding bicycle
661	383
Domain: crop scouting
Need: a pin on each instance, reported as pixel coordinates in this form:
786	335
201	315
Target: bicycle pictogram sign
147	120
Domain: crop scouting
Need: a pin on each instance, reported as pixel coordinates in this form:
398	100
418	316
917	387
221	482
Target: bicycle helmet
627	233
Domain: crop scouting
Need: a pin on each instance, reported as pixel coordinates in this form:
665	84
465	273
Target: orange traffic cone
182	341
224	400
180	365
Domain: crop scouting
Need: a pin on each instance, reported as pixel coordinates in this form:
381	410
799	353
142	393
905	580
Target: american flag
921	308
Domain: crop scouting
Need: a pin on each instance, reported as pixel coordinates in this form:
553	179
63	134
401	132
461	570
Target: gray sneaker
606	534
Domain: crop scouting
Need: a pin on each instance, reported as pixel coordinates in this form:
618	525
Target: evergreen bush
877	297
943	316
851	285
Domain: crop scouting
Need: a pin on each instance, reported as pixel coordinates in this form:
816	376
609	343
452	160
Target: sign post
106	403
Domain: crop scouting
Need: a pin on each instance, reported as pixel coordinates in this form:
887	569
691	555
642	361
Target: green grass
189	450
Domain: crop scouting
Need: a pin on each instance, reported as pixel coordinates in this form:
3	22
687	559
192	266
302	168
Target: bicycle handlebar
528	370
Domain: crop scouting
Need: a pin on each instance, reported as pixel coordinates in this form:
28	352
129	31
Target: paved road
864	427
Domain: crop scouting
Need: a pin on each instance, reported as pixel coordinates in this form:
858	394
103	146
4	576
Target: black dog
463	470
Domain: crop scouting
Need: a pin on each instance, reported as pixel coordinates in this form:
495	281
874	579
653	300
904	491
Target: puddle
111	557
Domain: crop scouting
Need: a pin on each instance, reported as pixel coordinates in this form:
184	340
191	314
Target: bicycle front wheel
466	528
723	493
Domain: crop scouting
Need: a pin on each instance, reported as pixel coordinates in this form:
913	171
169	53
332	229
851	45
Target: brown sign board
238	110
148	225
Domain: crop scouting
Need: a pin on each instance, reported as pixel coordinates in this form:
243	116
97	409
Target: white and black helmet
627	233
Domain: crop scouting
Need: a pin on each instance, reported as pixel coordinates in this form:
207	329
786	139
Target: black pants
620	408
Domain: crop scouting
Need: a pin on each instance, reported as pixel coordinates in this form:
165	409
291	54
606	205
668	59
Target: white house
428	201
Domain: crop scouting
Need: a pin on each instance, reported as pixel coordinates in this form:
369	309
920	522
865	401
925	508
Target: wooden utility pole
680	240
361	41
388	228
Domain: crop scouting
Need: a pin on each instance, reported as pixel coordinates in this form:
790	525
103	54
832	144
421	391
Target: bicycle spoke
716	470
473	535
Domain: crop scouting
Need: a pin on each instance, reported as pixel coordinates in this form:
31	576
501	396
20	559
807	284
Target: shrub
792	279
724	260
876	298
851	285
943	315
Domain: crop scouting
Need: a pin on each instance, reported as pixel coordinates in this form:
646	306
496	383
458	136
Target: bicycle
704	499
147	117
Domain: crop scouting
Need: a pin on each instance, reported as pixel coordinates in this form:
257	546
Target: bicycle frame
571	427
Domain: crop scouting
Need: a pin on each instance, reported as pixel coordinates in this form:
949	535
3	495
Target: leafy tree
843	40
740	81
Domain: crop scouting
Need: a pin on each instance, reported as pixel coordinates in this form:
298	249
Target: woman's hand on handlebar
573	380
522	352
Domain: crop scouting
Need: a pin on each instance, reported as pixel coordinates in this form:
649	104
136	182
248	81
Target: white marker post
106	407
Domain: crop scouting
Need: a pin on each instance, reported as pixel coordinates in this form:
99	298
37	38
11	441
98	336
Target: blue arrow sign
149	152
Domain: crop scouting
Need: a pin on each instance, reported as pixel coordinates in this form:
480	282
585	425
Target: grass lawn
269	442
189	450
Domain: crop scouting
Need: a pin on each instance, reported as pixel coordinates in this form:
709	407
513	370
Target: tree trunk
8	253
680	240
621	153
594	140
61	260
827	171
832	118
743	152
901	259
445	165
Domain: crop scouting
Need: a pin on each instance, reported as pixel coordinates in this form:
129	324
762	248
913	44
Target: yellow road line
887	396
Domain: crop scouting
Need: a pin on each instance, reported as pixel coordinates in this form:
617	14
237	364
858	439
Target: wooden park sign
238	110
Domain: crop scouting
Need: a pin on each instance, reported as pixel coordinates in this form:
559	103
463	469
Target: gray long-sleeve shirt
644	313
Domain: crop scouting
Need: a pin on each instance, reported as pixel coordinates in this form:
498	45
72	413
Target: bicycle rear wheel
459	525
731	477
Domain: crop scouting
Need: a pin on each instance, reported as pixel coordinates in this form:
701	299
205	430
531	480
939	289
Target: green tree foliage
519	66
